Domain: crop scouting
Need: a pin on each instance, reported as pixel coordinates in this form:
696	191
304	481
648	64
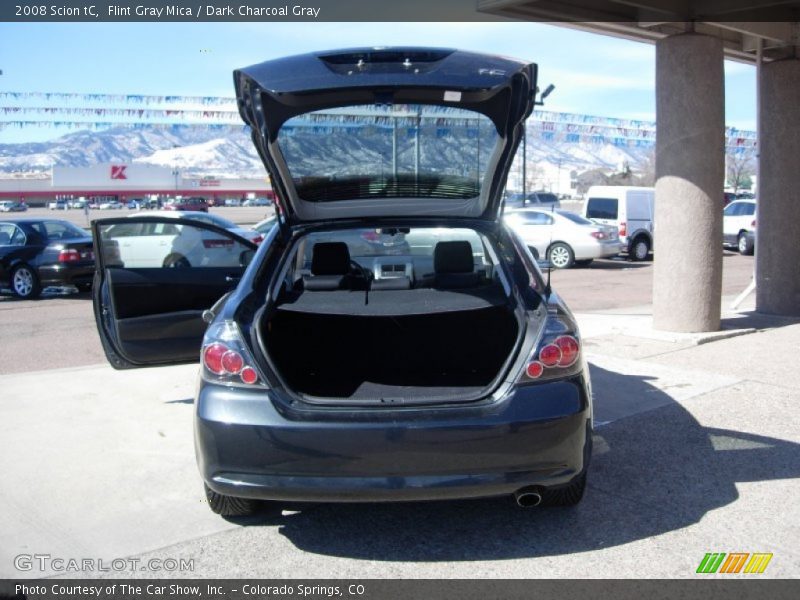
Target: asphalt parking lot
58	330
697	449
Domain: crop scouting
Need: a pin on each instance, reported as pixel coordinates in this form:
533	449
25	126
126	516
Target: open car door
154	278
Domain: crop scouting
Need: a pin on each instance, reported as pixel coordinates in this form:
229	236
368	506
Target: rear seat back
454	266
330	267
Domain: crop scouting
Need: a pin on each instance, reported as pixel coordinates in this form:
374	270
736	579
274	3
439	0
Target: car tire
584	263
25	282
84	287
639	249
534	252
568	495
744	245
561	256
229	506
176	261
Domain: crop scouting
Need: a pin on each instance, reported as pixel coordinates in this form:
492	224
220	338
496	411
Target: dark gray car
391	339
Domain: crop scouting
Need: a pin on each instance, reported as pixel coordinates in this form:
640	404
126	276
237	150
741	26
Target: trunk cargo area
443	346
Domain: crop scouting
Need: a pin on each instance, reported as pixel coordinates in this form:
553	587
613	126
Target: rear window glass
59	230
415	242
601	208
398	151
574	218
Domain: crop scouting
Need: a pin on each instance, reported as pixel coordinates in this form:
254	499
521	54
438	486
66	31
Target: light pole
175	171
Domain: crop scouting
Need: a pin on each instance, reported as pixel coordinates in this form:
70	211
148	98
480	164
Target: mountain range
230	152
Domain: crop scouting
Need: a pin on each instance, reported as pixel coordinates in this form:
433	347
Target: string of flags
218	113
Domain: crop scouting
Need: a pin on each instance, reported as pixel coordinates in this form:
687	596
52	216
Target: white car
156	243
249	234
630	209
256	202
111	205
739	225
563	237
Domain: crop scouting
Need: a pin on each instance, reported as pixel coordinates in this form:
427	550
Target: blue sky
593	74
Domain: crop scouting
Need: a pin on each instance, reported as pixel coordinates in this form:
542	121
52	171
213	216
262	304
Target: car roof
184	214
38	220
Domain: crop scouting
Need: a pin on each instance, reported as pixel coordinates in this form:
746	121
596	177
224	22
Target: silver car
563	237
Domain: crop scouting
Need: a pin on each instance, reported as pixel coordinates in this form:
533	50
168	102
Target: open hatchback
391	339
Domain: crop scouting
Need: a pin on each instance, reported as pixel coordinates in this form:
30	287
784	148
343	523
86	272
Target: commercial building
125	181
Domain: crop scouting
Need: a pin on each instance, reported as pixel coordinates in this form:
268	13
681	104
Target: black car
432	362
37	253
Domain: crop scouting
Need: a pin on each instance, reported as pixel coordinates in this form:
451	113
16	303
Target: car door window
11	235
168	245
748	210
537	218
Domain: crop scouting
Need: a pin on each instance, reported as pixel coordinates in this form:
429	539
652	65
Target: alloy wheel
559	256
23	282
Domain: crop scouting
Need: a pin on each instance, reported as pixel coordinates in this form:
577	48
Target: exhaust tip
528	497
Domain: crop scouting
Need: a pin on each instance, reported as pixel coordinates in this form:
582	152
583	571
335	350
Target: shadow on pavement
6	295
652	473
757	320
616	264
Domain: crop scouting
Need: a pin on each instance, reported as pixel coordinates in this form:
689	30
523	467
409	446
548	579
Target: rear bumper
535	435
601	250
66	274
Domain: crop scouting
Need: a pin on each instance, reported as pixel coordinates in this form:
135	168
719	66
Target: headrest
453	257
330	258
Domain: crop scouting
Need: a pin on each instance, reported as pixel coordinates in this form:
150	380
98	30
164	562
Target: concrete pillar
690	173
778	212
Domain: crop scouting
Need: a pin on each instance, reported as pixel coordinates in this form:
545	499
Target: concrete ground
697	449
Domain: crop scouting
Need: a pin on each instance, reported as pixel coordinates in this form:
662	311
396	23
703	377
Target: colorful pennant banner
218	112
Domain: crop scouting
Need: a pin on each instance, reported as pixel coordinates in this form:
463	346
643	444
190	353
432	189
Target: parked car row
12	206
40	253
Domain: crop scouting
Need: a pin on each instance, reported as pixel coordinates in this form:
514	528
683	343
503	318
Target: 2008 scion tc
391	339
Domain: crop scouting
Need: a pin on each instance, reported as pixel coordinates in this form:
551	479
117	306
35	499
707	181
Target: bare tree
740	166
647	172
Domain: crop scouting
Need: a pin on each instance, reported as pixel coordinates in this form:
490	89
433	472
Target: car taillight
371	236
258	239
557	354
623	229
598	235
753	224
68	255
225	358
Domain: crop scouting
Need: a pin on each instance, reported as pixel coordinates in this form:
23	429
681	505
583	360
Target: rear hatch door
387	132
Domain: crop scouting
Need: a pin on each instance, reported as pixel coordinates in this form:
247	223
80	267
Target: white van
631	209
